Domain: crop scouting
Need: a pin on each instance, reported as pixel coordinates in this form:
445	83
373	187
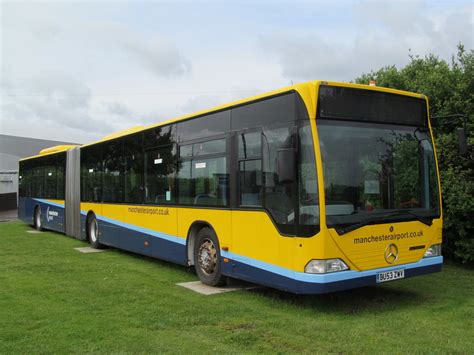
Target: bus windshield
375	172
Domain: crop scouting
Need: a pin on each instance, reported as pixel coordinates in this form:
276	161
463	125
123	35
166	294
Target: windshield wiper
358	225
379	218
422	219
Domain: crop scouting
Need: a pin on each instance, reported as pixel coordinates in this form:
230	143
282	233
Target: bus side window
38	181
50	181
91	173
22	179
250	168
113	185
206	126
202	175
159	175
60	168
134	168
210	181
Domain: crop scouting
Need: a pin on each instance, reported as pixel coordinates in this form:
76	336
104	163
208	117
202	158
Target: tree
450	89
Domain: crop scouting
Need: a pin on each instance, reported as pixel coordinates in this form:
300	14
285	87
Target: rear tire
37	219
207	258
93	232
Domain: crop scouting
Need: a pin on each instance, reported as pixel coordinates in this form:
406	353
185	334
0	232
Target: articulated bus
314	188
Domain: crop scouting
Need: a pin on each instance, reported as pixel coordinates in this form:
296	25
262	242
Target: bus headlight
434	250
325	266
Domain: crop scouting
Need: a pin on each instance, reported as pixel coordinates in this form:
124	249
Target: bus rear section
42	190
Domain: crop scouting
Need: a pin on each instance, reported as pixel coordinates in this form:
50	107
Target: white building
12	149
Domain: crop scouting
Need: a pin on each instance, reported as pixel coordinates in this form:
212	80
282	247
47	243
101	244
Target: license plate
390	275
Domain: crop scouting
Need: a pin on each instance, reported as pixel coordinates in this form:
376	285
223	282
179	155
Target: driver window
278	197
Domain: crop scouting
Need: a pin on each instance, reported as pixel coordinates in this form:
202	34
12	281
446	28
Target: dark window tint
38	181
21	179
43	177
134	169
278	109
50	180
210	147
159	179
91	174
24	179
114	182
185	183
205	126
60	187
186	151
250	144
204	182
61	171
370	106
250	172
159	136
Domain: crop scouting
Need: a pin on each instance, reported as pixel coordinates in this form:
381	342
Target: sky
79	70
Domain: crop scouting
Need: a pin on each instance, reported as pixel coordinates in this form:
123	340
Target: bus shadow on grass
382	298
361	300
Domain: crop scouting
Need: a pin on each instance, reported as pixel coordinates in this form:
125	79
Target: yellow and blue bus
313	188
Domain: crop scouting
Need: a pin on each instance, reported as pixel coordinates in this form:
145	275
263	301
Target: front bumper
303	283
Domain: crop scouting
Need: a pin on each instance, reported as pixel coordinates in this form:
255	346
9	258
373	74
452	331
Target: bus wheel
207	258
37	219
93	232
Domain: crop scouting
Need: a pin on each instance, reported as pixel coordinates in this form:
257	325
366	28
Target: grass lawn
55	299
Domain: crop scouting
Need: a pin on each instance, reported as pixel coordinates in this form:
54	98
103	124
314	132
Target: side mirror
286	165
462	141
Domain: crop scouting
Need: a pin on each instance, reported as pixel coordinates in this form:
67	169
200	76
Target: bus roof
306	90
51	150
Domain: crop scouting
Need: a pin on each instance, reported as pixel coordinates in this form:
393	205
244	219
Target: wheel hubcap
93	231
38	219
207	256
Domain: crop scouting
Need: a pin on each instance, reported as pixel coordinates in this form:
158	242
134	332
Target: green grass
55	299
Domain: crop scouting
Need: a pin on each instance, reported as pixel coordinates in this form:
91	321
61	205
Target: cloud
384	34
67	69
118	108
158	55
78	70
51	100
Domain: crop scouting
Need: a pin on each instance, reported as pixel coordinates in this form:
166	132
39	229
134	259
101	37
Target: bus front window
371	168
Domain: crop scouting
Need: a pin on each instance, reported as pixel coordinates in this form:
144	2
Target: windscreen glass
375	169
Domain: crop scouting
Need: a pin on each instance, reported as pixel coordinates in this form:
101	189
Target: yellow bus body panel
252	233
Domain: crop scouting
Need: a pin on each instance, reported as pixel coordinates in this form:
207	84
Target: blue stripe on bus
331	277
133	227
48	202
168	237
267	278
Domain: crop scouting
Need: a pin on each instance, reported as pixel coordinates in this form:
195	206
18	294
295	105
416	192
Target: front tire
37	219
93	232
207	258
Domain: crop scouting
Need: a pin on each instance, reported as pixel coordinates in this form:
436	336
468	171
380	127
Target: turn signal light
434	250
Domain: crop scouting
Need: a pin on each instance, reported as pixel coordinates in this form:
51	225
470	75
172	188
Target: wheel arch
193	231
